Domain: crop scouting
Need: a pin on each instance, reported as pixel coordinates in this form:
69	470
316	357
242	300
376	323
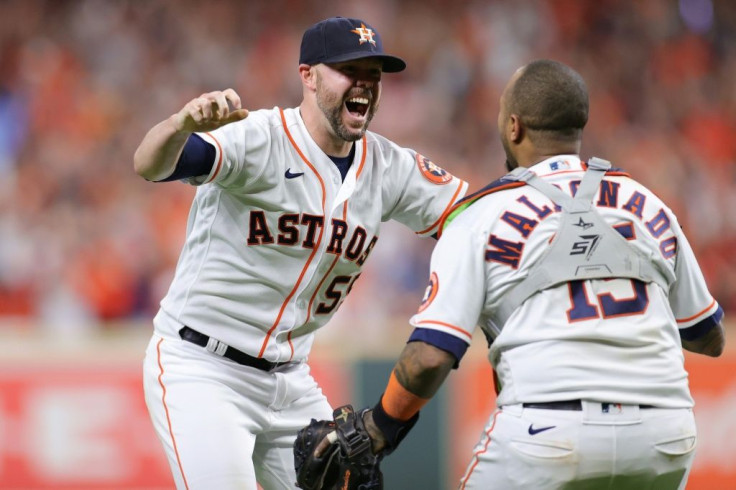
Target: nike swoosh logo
533	431
290	175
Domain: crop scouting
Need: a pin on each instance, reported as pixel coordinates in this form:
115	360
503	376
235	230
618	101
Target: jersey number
333	292
607	306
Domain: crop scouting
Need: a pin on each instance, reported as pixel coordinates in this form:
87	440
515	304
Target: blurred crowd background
85	244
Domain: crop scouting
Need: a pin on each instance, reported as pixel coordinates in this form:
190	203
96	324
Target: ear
515	129
308	75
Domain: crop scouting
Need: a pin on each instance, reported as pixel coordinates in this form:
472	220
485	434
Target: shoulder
484	195
469	231
633	189
405	159
269	117
265	126
382	147
387	157
498	185
266	119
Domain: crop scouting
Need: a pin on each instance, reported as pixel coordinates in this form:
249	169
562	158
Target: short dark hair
551	99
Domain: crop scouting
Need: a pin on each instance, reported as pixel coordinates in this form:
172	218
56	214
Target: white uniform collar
557	163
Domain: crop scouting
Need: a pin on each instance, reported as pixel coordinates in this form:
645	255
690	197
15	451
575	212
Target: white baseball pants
225	426
602	446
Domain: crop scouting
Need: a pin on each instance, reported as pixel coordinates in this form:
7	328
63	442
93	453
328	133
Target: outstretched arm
159	151
418	374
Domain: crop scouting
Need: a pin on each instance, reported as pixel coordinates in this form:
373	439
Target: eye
360	72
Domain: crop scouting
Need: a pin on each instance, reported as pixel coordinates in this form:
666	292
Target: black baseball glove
348	464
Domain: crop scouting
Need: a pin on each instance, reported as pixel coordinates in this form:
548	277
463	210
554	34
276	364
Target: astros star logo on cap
366	34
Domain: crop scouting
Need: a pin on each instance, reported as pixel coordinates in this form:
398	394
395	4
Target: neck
530	154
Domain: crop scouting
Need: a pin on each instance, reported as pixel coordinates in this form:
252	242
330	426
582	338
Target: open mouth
357	106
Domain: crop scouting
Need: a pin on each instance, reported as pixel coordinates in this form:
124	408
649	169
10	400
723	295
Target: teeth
359	100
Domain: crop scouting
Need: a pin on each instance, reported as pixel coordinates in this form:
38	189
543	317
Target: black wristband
394	430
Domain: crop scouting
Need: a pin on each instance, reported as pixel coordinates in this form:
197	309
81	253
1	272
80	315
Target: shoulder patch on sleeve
430	293
431	171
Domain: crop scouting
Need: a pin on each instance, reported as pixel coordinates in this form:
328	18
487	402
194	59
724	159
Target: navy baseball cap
342	39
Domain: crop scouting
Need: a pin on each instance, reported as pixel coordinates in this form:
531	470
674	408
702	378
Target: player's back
613	340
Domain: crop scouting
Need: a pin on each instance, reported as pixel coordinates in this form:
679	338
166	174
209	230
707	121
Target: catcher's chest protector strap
584	247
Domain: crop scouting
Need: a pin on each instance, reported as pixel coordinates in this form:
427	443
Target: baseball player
287	210
586	289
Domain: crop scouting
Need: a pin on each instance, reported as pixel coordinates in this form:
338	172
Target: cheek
327	96
376	95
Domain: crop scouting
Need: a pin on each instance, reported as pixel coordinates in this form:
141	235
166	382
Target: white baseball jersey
607	340
275	239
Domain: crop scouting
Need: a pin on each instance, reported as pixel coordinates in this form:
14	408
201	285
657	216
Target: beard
331	106
511	161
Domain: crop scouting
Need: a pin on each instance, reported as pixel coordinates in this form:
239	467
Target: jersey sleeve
695	310
417	192
241	153
454	299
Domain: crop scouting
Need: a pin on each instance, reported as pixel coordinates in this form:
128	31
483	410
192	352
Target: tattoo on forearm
412	373
402	375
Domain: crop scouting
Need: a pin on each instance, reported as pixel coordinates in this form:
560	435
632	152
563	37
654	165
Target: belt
567	405
224	350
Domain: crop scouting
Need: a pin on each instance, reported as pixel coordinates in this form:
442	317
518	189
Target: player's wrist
178	124
392	429
175	123
378	441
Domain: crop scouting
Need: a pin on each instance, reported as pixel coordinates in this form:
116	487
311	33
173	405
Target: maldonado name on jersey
509	252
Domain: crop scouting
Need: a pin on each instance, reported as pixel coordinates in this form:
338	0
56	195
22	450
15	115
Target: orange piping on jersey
449	210
291	346
314	295
683	320
478	453
316	246
301	155
218	165
450	205
332	266
166	409
362	159
334	262
443	324
584	164
511	185
620	173
345	209
311	301
400	403
615	173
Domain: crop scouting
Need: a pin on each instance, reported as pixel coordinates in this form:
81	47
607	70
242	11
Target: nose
364	82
